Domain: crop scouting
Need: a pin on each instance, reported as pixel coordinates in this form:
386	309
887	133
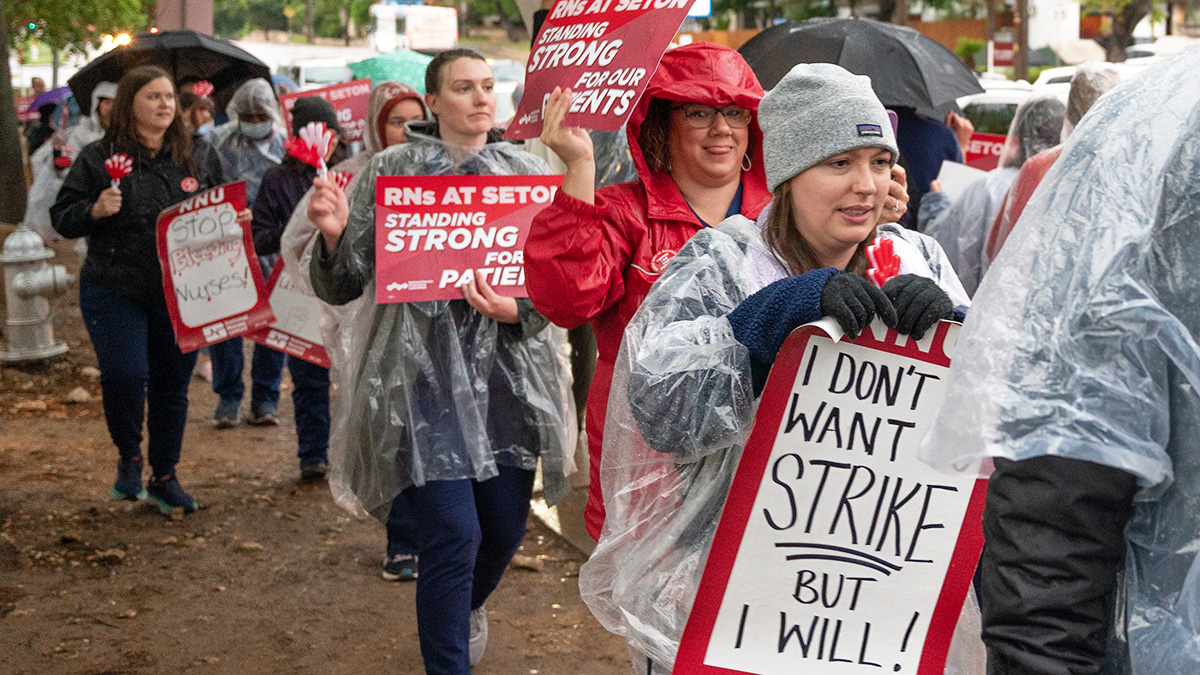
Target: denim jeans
467	532
137	354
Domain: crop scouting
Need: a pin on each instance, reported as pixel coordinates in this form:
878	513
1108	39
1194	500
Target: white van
418	27
316	73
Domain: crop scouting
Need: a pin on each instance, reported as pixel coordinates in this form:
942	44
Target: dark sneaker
312	473
129	481
400	567
226	415
171	498
264	415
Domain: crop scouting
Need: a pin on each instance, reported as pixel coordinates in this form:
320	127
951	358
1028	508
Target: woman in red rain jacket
593	254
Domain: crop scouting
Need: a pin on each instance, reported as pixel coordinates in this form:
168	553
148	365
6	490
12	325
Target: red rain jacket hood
596	263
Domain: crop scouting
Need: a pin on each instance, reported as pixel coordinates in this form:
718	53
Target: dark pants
136	350
401	530
229	360
467	532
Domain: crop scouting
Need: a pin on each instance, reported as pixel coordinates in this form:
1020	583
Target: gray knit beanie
816	111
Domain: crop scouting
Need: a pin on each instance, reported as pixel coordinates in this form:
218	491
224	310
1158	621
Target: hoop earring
746	163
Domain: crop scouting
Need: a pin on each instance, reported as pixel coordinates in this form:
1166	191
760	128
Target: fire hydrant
29	282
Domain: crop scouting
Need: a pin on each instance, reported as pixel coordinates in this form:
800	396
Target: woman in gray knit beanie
697	353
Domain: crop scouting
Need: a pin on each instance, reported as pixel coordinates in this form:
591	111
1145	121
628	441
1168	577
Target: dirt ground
269	576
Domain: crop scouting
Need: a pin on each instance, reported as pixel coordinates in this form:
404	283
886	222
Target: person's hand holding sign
487	302
573	146
245	216
107	204
328	210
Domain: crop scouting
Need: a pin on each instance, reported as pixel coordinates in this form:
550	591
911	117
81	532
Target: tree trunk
54	68
1122	29
900	13
308	21
12	169
886	9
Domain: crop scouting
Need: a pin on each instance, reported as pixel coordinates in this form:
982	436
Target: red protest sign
349	101
838	551
434	232
983	151
605	51
296	329
24	113
211	277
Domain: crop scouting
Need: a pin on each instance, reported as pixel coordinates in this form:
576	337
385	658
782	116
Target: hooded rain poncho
1083	345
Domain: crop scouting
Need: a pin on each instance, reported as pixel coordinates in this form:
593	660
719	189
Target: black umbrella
185	55
907	69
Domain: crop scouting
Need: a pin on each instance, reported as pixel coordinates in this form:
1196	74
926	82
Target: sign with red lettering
434	233
349	101
838	551
605	51
24	113
296	329
983	151
211	277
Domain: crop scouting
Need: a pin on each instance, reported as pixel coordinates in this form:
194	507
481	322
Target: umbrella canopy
185	55
907	69
402	65
51	97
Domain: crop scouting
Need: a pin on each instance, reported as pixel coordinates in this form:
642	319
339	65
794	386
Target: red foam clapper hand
203	88
341	178
118	166
318	137
885	264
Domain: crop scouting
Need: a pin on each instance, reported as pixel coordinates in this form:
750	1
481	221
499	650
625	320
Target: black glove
920	303
853	301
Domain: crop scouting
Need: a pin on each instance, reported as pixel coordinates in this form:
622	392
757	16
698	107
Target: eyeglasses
703	116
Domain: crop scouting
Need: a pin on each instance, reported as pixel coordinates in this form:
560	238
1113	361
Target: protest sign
432	233
838	551
983	151
24	112
349	101
296	329
605	51
211	278
956	178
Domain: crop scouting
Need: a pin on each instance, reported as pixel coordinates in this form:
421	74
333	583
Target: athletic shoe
264	415
171	498
400	567
129	481
312	473
478	640
226	415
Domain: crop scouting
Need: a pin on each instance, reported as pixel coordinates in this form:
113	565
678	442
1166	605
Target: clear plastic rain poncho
90	128
1083	343
48	178
962	227
1089	83
435	390
242	157
679	412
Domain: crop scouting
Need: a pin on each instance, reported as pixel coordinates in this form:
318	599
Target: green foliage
808	9
967	49
71	25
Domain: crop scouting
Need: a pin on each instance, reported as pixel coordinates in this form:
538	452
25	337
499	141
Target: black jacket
123	248
282	189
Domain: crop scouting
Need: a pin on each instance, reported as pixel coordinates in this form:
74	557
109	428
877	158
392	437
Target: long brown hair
122	128
786	242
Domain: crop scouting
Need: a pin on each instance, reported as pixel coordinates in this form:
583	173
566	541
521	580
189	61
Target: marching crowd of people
749	215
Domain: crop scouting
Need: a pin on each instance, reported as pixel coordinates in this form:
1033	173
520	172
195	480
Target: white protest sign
297	326
838	551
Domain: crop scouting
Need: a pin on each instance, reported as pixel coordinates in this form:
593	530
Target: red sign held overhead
349	101
434	233
211	278
605	51
838	551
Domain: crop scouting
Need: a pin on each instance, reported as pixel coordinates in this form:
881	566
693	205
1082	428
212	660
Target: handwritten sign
433	233
838	551
349	101
211	278
983	151
605	51
296	329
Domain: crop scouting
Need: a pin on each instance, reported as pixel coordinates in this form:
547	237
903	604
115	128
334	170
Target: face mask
256	131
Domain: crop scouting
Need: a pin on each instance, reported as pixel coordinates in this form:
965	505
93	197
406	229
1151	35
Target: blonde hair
785	241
